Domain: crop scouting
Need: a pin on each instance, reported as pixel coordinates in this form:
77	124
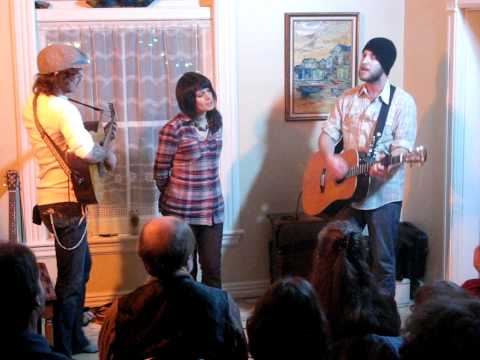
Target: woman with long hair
346	287
187	171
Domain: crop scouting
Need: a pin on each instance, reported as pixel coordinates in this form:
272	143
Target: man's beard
373	77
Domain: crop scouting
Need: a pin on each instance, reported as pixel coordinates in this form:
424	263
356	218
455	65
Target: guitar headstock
12	180
417	156
111	126
111	108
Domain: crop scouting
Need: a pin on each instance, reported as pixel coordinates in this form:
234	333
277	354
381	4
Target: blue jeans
73	272
209	251
382	229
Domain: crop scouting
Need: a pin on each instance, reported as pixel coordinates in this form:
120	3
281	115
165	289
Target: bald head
165	245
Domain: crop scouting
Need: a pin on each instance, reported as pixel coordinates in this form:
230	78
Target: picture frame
320	62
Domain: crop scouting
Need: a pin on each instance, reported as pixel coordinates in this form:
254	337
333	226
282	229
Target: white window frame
24	19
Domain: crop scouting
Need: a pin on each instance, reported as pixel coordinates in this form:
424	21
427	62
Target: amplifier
294	238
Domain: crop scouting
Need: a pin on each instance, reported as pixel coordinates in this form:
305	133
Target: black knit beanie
384	50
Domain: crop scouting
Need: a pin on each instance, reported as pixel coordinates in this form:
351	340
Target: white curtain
135	66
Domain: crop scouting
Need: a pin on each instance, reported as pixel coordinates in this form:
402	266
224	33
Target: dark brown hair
19	279
288	323
54	83
186	89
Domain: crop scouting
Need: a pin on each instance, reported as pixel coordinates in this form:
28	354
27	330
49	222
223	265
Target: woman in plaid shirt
187	171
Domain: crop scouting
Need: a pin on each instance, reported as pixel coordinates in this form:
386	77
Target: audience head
371	347
165	245
22	294
437	289
288	323
346	286
186	92
443	328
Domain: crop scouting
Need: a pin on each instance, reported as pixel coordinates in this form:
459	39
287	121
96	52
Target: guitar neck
363	169
12	216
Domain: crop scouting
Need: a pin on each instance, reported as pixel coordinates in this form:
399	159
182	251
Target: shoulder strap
382	117
57	153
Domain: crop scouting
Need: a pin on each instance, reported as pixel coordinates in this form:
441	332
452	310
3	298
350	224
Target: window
136	66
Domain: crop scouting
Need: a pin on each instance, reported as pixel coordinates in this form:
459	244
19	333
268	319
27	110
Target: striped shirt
354	118
187	173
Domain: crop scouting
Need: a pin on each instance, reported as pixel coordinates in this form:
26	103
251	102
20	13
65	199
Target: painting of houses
320	62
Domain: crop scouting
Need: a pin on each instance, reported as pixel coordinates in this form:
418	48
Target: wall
8	144
273	153
426	76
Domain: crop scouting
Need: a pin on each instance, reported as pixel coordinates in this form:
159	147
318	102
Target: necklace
201	123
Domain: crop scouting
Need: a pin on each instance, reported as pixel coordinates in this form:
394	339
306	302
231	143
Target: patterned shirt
355	116
187	173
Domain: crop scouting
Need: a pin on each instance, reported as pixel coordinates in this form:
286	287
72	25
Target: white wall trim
468	4
238	290
164	12
227	90
455	152
247	289
118	244
24	46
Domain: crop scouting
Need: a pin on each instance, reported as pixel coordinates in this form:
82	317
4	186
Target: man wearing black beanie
354	120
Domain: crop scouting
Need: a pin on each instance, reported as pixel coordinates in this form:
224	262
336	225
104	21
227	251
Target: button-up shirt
354	118
187	172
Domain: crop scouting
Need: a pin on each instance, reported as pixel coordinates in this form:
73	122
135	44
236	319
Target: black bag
411	254
63	214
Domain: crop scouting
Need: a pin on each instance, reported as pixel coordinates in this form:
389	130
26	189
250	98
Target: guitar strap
56	152
382	118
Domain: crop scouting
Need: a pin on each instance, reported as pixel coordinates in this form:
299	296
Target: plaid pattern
187	173
354	117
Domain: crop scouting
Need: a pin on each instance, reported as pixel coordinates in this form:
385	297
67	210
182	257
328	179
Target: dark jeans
73	273
382	229
209	251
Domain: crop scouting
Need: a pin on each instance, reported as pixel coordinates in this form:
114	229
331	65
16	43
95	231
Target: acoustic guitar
15	221
87	179
321	189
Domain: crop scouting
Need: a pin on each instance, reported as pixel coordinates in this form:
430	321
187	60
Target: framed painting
320	62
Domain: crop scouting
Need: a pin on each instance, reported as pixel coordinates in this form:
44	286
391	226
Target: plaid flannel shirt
187	173
354	118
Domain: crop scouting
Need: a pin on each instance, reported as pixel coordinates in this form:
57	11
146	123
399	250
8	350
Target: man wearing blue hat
354	120
54	127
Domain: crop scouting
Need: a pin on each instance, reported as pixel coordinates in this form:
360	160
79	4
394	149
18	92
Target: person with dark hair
50	115
438	289
23	300
186	171
355	306
356	120
443	328
288	323
172	316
